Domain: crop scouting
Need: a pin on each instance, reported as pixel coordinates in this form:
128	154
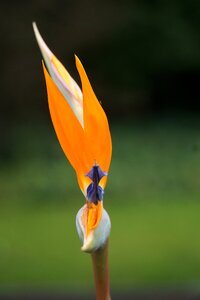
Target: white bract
97	237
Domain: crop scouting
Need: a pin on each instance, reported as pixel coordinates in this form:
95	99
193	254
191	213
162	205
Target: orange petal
69	132
91	216
95	124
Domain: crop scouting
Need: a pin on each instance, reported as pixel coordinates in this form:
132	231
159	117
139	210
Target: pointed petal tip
34	26
36	31
77	61
46	52
76	57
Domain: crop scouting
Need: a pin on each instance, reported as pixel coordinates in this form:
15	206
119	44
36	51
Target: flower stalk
101	272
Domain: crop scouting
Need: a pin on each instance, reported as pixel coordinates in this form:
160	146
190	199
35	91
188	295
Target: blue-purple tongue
94	191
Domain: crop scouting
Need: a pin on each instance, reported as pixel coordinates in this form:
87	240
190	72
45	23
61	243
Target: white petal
98	237
71	91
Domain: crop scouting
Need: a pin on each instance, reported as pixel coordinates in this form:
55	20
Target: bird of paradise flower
83	132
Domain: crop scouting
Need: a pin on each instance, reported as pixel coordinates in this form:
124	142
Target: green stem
101	273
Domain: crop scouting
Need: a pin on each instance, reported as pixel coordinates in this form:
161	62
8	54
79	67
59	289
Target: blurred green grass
152	197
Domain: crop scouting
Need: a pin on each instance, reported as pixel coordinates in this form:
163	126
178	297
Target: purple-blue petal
94	191
95	174
94	195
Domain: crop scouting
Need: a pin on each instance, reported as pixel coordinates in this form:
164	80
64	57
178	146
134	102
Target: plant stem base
101	273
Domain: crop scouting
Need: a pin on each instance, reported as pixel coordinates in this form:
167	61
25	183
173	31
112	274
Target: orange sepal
69	132
95	123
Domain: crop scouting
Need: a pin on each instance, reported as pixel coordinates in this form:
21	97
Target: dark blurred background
143	60
143	56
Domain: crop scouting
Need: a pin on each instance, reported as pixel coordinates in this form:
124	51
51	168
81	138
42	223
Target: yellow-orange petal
70	82
95	124
69	132
91	216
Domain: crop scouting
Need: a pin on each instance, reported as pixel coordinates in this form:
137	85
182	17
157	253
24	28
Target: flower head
83	132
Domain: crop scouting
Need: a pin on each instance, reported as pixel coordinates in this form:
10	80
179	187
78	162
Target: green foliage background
152	198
